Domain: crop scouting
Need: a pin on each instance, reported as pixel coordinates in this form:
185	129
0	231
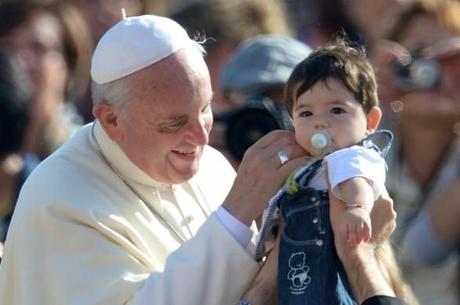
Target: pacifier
321	140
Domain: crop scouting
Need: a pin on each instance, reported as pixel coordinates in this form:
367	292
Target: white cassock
80	236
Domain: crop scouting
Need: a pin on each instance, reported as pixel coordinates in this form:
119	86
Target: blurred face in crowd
38	43
329	106
423	31
370	15
166	124
103	14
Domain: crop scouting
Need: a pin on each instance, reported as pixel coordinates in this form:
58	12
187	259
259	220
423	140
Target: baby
332	99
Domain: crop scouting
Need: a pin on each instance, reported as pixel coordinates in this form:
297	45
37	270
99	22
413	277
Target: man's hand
383	218
263	289
261	174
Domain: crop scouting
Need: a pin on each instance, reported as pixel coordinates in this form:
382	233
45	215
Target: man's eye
171	127
304	114
337	110
207	108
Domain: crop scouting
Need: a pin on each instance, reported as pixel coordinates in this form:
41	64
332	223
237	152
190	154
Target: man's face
166	125
329	106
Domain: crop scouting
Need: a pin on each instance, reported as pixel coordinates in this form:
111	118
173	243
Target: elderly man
136	208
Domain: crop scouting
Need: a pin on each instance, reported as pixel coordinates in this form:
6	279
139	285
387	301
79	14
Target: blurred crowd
252	46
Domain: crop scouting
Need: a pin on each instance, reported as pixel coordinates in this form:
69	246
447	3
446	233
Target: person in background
15	95
423	109
99	16
253	80
371	18
136	208
225	25
51	39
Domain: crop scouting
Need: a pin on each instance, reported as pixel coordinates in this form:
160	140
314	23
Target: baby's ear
373	118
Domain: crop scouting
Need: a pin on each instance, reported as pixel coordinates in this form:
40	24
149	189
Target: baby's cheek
303	141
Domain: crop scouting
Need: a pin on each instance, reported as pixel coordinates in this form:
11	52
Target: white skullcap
135	43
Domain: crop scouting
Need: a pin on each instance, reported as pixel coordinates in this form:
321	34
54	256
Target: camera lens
247	126
418	73
424	73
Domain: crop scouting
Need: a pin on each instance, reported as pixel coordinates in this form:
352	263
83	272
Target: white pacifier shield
320	140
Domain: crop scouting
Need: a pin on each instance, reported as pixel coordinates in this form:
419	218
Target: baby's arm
355	175
354	222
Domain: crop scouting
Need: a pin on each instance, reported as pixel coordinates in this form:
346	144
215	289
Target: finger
288	145
443	49
268	148
355	233
352	235
359	233
368	233
390	51
343	233
274	136
348	234
364	233
287	168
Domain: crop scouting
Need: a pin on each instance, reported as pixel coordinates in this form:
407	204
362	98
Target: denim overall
309	271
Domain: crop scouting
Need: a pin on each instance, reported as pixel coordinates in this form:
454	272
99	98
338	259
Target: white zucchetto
135	43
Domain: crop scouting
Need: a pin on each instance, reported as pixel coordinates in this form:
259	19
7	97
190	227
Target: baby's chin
314	153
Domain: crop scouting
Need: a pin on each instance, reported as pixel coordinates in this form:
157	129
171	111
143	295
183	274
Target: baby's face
331	107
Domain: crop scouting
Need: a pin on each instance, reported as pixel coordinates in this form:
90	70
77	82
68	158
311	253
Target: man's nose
199	132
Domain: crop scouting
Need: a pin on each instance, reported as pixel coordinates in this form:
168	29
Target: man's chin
183	175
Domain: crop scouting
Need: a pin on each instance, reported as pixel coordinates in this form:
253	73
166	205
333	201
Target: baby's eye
337	110
304	114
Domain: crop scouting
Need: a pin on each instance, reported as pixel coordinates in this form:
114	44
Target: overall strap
298	177
380	140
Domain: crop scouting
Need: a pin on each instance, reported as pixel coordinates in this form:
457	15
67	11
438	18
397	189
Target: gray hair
118	92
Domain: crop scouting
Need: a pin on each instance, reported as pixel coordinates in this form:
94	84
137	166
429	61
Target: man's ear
373	118
109	120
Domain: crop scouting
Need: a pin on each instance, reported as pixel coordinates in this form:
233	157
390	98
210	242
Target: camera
246	125
418	73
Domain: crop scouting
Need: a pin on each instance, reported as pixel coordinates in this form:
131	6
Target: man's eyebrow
176	117
160	120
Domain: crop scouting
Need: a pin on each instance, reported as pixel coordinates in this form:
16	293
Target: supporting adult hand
264	290
360	263
261	174
383	218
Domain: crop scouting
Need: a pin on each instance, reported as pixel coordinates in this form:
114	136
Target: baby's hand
355	225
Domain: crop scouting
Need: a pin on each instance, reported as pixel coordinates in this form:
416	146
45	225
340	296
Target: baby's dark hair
339	60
